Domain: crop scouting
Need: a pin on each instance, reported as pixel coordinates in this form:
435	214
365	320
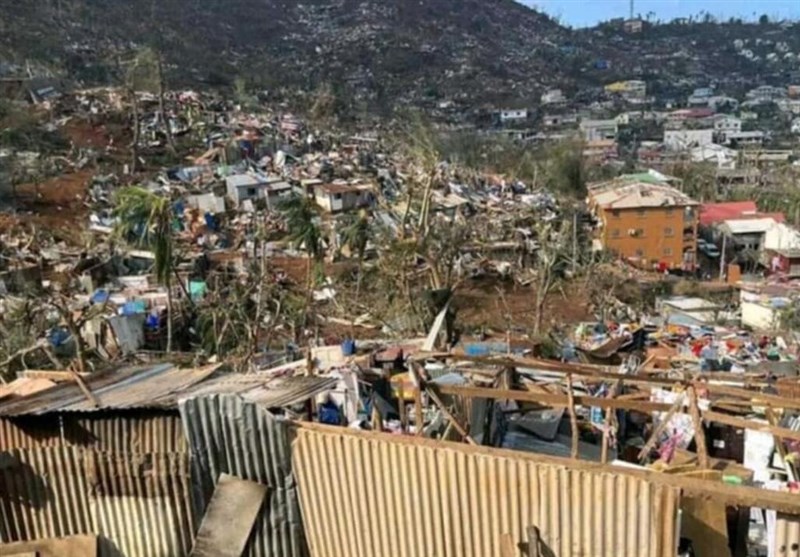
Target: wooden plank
229	518
554	400
85	389
783	433
573	418
55	376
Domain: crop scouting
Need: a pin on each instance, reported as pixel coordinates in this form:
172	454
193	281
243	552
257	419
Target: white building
513	115
682	140
338	198
598	130
255	185
761	312
745	138
720	155
553	96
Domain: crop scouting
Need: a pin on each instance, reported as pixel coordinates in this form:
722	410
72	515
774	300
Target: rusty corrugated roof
156	386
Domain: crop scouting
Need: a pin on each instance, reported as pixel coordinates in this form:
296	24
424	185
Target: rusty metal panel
129	432
420	499
139	505
156	386
29	433
228	435
43	494
787	536
125	431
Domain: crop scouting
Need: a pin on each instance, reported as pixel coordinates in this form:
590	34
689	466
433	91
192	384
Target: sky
582	13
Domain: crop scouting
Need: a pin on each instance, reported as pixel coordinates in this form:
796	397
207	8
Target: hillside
379	53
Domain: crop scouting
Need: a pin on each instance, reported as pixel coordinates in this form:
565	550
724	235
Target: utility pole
722	257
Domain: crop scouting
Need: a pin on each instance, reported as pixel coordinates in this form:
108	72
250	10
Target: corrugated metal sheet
131	431
139	504
271	392
787	536
374	495
43	494
228	435
156	386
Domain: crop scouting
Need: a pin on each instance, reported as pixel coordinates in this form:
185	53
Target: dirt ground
56	204
489	304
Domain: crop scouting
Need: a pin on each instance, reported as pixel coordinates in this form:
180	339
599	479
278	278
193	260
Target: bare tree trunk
169	314
164	120
136	131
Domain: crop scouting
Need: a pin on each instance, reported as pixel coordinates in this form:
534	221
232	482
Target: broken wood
573	419
651	442
459	428
699	430
791	469
85	389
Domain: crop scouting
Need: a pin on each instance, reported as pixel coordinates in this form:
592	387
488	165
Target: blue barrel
348	347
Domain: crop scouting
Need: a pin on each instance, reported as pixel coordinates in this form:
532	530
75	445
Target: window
615	213
639	233
251	192
670	213
337	196
642	213
667	251
669	232
615	233
639	253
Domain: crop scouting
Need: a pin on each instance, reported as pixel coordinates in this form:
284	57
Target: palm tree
301	219
145	219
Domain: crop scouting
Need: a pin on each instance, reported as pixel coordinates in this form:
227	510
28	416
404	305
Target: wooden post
791	470
573	418
419	417
607	423
699	431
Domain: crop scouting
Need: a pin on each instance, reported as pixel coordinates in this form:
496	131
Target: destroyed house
253	186
339	198
644	219
134	457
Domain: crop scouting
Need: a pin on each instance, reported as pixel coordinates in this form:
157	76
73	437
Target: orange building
644	219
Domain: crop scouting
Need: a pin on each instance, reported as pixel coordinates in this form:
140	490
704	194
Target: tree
763	20
145	219
551	264
301	219
356	236
421	149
